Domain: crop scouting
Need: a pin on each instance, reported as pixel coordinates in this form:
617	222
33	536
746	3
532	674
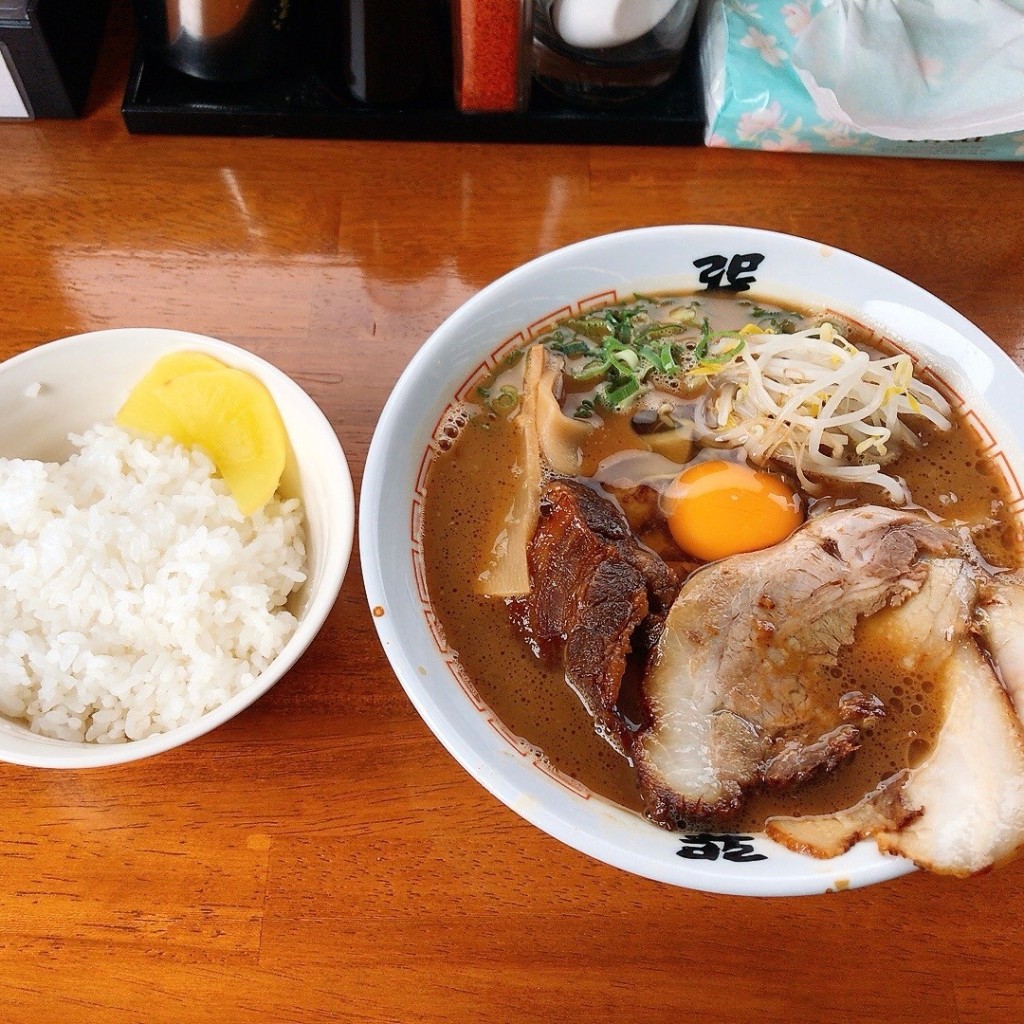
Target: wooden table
321	857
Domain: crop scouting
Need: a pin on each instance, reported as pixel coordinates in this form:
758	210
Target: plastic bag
935	78
917	69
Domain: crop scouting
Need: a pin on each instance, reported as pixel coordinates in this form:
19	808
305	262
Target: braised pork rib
596	593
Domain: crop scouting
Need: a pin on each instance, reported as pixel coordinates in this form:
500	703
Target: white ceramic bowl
504	315
83	380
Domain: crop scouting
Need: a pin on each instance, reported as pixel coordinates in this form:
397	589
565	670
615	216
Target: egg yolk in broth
715	509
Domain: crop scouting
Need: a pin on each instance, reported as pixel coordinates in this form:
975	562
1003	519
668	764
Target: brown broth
469	490
466	496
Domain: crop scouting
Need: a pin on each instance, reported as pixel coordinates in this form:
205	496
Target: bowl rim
96	755
492	775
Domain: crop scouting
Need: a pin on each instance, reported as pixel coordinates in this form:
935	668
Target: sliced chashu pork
1001	621
735	692
962	809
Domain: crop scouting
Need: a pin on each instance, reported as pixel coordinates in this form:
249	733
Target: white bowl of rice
140	609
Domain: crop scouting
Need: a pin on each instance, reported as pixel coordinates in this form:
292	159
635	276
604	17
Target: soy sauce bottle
394	51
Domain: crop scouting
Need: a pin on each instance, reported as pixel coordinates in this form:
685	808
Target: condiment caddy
355	74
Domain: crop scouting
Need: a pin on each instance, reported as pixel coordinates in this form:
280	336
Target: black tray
299	103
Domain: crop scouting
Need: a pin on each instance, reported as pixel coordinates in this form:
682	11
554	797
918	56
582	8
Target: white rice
134	597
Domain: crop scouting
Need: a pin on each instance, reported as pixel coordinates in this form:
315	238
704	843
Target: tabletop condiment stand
385	69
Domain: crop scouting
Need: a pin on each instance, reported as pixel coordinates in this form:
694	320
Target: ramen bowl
507	314
70	385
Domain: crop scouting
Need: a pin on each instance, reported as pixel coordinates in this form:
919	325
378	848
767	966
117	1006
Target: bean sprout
816	402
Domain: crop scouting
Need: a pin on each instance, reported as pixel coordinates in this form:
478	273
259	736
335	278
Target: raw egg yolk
716	509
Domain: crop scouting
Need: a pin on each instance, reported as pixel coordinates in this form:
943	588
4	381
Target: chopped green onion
724	357
505	400
569	347
592	370
700	353
660	358
594	329
659	330
616	397
781	320
629	357
623	346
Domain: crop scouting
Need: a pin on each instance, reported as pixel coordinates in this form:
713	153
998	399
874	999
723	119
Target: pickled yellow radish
197	400
148	415
232	417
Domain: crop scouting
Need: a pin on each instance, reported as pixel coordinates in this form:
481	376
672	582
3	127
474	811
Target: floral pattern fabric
764	105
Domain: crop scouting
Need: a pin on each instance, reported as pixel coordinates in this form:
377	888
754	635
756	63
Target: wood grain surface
321	857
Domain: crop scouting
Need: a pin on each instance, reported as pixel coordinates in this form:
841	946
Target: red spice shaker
492	54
